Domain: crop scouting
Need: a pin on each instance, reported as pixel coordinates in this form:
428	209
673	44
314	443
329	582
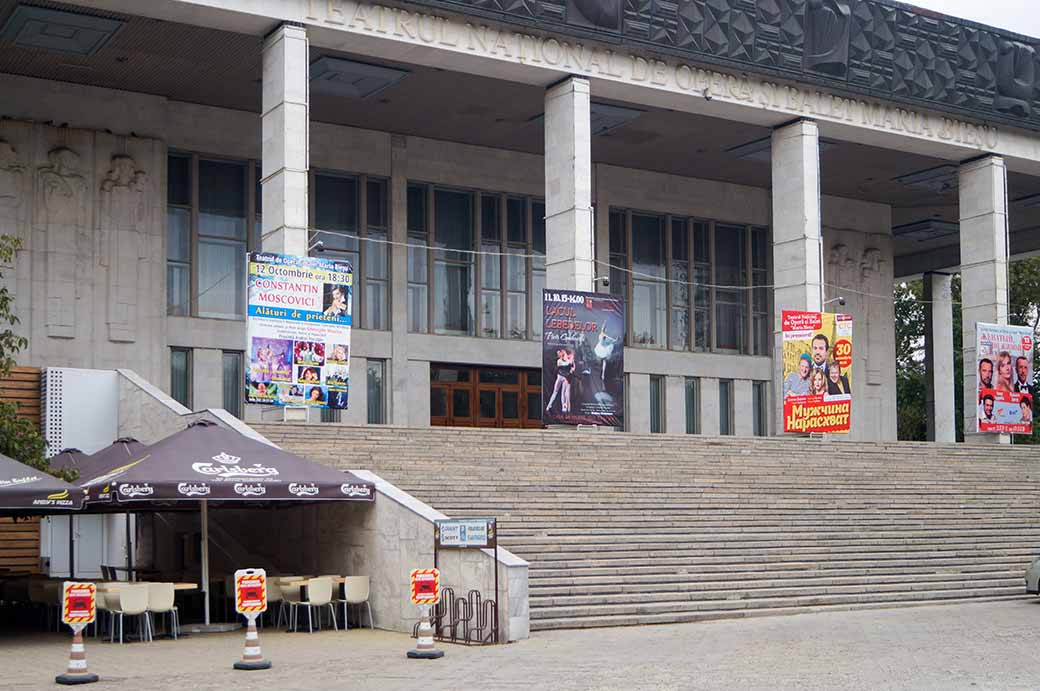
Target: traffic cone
424	648
77	672
252	658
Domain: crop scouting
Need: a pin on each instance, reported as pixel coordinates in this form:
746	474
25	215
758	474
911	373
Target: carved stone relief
62	212
12	176
121	247
602	14
827	25
1016	74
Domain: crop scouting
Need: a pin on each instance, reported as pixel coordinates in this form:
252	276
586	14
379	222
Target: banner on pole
583	377
817	371
250	591
1004	374
300	311
78	603
426	586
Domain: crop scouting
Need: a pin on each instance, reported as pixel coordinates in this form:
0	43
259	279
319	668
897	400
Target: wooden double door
464	396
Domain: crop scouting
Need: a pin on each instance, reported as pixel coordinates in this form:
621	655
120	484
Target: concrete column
984	258
398	398
418	388
938	357
675	405
357	405
568	186
797	262
710	406
638	414
285	125
207	378
743	408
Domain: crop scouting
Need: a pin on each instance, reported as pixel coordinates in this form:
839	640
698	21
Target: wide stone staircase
624	529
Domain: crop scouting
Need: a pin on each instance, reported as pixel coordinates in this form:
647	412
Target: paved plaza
980	646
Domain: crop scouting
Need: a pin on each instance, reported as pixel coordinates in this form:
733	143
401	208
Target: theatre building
713	161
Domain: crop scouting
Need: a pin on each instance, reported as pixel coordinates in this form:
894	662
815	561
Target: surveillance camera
606	282
841	301
320	246
707	94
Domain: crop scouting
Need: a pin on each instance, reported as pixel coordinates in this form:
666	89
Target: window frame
690	223
383	408
251	179
188	369
503	247
241	378
361	318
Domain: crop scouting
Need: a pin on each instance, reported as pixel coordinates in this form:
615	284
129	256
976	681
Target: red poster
817	367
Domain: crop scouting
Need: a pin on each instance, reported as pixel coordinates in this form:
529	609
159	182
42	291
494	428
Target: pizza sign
250	591
78	603
426	586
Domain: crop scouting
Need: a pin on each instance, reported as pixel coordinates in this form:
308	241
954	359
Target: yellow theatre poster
817	366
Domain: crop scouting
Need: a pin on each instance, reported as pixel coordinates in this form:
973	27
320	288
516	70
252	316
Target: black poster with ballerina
583	373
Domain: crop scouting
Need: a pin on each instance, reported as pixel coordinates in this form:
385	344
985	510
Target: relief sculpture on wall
1016	73
121	246
62	212
827	25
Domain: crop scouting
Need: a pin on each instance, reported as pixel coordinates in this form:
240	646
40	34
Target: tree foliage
19	438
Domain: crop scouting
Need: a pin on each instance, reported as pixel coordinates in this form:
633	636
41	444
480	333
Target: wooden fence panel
20	542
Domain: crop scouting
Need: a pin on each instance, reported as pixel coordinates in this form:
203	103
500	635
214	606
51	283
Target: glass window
418	281
758	393
222	278
376	381
178	261
649	311
537	267
725	406
222	199
234	382
680	286
656	404
375	207
498	376
222	236
619	257
178	180
760	248
701	281
516	267
490	268
376	255
729	303
438	402
453	270
180	376
693	405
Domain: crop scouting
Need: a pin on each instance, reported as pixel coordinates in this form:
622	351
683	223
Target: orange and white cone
252	658
424	647
77	672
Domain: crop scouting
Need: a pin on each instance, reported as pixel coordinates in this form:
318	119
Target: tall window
211	221
758	403
693	405
180	376
233	376
690	284
494	294
376	382
656	404
725	406
351	220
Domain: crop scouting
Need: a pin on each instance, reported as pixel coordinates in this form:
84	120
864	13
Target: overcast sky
1022	16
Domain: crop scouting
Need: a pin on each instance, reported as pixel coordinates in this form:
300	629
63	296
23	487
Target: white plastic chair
133	601
355	592
319	594
290	599
106	601
160	601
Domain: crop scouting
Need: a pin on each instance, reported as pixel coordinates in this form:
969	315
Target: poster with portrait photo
337	353
1004	378
337	377
298	308
817	371
583	379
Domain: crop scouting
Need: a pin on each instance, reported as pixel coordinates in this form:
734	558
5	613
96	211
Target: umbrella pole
129	551
205	559
72	547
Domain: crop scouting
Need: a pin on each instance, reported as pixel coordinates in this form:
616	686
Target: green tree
912	423
1024	309
19	438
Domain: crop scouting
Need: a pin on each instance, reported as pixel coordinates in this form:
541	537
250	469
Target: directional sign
466	532
250	591
78	603
426	586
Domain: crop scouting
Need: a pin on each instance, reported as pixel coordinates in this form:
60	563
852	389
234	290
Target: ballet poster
298	330
1005	378
583	371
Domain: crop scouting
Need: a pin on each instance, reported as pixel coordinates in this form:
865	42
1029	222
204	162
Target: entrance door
485	397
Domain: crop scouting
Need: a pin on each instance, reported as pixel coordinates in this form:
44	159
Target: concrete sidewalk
982	646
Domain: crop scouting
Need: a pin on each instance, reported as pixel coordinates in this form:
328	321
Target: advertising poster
298	350
583	374
1004	374
817	362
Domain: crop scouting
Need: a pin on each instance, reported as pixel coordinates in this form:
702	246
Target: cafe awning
210	462
28	491
116	455
68	459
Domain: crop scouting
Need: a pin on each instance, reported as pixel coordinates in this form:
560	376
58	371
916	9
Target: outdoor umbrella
209	462
68	459
30	492
115	455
